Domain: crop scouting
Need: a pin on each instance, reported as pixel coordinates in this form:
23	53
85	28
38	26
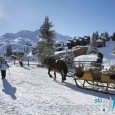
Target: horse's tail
65	69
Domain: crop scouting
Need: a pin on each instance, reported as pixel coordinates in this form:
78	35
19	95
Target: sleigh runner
95	79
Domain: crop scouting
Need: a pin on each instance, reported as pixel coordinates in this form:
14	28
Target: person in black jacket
21	61
99	60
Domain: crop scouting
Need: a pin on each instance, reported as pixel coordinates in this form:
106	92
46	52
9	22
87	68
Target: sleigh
95	79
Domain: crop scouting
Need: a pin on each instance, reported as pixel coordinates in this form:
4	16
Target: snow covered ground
30	91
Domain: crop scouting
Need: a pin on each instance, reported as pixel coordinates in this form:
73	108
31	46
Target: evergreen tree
46	41
8	50
95	35
106	35
24	50
114	49
113	37
27	49
91	48
102	34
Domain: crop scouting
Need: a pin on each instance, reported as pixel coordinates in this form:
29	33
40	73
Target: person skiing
3	67
20	61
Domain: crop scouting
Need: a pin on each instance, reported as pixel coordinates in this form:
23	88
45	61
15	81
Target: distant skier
21	61
3	67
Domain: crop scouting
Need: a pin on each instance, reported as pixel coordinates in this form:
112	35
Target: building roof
18	50
99	40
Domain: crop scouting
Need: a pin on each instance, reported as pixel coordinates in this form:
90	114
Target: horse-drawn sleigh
93	78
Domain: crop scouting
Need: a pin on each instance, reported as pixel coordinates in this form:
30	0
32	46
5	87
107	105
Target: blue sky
69	17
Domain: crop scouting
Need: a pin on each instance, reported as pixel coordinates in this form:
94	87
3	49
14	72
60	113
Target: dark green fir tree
46	40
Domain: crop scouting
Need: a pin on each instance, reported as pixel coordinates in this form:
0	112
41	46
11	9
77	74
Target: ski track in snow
26	92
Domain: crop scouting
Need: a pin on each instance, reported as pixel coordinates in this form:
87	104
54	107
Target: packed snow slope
30	91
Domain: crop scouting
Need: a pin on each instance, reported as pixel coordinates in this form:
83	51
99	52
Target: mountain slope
31	35
23	38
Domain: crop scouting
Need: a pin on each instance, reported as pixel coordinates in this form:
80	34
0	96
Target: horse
58	66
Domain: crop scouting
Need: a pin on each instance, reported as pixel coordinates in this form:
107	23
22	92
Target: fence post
28	62
14	61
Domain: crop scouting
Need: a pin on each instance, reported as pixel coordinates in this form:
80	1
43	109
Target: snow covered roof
68	41
19	50
58	42
64	51
99	40
85	37
90	57
74	40
80	39
34	45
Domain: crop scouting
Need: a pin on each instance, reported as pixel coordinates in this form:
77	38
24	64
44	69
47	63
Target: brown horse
57	66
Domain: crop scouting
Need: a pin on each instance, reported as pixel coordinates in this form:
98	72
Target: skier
3	67
20	61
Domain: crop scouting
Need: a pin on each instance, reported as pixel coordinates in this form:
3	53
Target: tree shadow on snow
85	91
8	89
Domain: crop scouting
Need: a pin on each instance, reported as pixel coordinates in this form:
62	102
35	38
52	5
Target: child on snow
3	67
